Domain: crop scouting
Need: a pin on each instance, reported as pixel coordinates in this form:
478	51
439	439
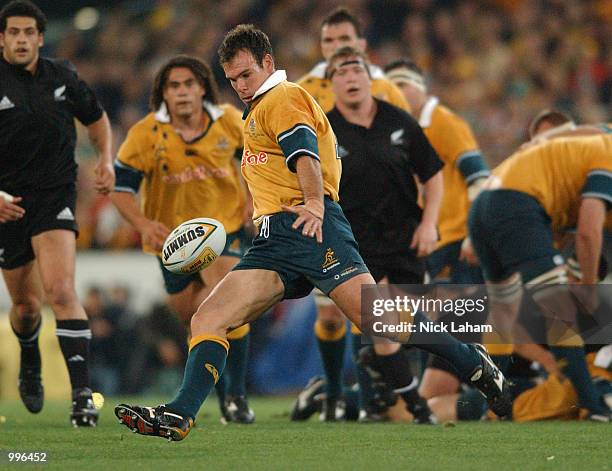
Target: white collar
162	115
271	82
427	111
318	71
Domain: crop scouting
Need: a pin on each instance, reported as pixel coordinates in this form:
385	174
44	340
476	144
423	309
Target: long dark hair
200	69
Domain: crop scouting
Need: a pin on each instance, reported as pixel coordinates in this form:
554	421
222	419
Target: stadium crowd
496	62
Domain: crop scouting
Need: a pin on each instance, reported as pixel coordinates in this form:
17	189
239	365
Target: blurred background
495	62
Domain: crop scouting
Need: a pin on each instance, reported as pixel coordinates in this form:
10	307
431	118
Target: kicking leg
239	298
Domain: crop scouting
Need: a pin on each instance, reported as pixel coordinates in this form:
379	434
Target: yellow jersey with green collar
454	142
180	180
559	172
284	122
319	87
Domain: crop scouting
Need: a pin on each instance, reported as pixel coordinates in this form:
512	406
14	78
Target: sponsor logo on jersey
342	152
182	240
1	255
252	158
223	143
199	172
397	137
6	104
58	93
329	260
65	215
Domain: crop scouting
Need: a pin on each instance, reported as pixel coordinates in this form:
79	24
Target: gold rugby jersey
281	123
559	172
181	180
320	88
453	140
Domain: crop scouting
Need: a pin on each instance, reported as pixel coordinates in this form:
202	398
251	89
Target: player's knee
28	308
60	293
210	321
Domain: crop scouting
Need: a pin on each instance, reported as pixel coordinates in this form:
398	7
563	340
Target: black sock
74	336
395	369
30	353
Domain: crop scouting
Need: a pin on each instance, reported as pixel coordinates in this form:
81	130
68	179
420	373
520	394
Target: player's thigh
55	252
347	297
240	297
216	271
24	287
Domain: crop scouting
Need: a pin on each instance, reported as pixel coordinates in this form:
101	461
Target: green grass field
275	443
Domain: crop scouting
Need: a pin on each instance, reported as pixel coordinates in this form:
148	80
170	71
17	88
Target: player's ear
268	63
41	40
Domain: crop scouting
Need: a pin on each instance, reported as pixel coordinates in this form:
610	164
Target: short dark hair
403	63
346	51
23	8
554	117
200	69
248	38
343	15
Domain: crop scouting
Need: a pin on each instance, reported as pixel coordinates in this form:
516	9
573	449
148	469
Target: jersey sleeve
423	158
460	144
295	129
131	165
85	105
599	185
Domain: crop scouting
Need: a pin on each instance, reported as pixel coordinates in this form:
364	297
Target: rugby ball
193	245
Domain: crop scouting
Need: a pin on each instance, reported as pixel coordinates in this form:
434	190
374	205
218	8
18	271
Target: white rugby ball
193	245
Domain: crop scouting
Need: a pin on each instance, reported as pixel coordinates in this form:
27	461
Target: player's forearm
100	136
128	207
589	238
311	183
476	187
433	190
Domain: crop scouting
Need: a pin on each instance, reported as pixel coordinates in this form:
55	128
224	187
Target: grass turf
275	443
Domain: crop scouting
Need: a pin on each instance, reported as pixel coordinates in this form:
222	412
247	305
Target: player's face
414	95
351	82
338	35
246	75
183	94
21	41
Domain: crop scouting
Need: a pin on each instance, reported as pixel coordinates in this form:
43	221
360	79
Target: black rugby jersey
37	130
378	193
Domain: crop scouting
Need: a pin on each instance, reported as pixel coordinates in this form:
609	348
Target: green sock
221	387
236	365
464	358
205	364
332	356
574	366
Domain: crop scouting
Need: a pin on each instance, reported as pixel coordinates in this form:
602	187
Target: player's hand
310	215
105	177
467	253
154	233
9	210
424	239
